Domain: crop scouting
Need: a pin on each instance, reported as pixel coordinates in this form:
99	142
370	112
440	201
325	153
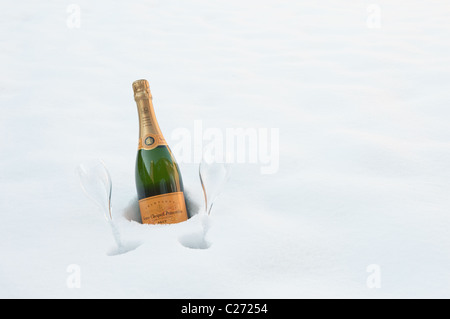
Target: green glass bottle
158	178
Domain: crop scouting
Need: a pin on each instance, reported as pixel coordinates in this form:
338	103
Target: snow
361	104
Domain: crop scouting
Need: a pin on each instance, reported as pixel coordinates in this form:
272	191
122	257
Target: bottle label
163	209
151	141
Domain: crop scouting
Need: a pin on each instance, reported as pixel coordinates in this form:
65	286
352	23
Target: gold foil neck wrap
141	90
150	136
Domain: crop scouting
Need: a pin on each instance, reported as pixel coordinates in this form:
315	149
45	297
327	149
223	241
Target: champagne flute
213	177
96	183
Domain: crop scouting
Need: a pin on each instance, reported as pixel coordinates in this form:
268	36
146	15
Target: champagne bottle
158	178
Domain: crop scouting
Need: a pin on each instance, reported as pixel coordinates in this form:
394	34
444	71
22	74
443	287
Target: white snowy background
359	91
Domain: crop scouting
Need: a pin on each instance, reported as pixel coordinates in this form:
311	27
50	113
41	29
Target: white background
361	102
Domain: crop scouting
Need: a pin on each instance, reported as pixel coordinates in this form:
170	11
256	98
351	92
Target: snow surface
364	147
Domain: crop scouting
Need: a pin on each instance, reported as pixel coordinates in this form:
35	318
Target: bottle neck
150	135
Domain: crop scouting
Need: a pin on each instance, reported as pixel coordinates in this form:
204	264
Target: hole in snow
194	241
124	248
